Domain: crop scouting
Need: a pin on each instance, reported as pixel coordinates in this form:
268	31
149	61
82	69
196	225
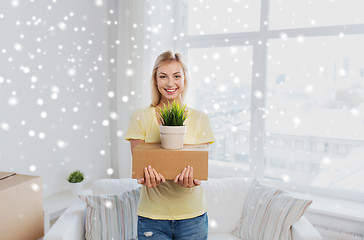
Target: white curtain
145	29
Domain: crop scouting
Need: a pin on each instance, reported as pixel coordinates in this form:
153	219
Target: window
323	97
314	13
285	95
227	17
220	86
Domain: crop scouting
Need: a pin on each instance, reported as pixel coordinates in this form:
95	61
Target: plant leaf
173	115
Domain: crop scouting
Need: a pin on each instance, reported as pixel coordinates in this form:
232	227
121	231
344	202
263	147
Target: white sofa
225	199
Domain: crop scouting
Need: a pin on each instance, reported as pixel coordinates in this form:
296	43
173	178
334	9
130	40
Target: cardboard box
21	204
170	162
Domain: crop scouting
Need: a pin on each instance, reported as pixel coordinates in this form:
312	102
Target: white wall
55	51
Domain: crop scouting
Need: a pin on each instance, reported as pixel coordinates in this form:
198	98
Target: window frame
258	40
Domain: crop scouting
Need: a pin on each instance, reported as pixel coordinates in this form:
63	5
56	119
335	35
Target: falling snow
53	83
57	73
110	171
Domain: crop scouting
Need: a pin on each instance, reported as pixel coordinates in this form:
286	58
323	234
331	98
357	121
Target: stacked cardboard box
170	162
21	214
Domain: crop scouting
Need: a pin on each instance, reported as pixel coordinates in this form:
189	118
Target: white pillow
225	198
269	213
111	216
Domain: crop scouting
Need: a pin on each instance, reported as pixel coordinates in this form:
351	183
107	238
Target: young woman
170	209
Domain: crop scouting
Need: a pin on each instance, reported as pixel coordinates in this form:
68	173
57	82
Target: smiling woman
181	200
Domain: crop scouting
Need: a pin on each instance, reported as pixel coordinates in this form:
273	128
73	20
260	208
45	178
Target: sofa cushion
111	216
225	198
268	213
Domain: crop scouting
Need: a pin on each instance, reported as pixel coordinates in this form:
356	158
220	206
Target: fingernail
150	167
145	168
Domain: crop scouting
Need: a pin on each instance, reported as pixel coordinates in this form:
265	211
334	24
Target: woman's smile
171	91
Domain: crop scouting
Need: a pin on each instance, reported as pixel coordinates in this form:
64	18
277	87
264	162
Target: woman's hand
152	178
185	179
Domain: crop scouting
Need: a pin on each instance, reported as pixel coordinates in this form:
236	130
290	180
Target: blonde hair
167	57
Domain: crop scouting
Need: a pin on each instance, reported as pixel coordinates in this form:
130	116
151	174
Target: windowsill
338	208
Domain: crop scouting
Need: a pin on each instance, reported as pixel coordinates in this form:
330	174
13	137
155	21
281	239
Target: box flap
11	180
4	175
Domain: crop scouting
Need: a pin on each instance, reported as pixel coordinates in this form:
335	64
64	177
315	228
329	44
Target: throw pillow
225	198
268	213
111	216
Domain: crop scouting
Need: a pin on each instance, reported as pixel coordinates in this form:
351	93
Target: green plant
76	177
173	114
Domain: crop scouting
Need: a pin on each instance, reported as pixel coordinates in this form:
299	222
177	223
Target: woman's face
170	81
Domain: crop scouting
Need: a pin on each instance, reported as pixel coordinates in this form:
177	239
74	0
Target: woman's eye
177	76
162	76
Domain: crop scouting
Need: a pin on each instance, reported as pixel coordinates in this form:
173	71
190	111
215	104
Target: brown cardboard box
170	162
21	214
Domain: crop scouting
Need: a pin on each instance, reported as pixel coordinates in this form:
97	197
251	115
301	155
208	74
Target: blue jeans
185	229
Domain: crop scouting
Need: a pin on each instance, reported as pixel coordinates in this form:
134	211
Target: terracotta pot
172	137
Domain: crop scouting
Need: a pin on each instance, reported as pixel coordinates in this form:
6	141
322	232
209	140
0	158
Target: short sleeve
205	134
136	129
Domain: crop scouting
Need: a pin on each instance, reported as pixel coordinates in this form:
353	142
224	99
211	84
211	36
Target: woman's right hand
151	178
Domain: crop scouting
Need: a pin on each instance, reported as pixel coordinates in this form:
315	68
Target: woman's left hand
185	179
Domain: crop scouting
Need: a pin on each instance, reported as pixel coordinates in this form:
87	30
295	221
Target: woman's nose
170	82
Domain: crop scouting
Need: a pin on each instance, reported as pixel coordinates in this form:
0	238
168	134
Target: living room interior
281	81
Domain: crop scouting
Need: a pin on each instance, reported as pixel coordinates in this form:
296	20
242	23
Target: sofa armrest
70	225
303	230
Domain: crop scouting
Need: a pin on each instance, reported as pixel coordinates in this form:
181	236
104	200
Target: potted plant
172	130
75	180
